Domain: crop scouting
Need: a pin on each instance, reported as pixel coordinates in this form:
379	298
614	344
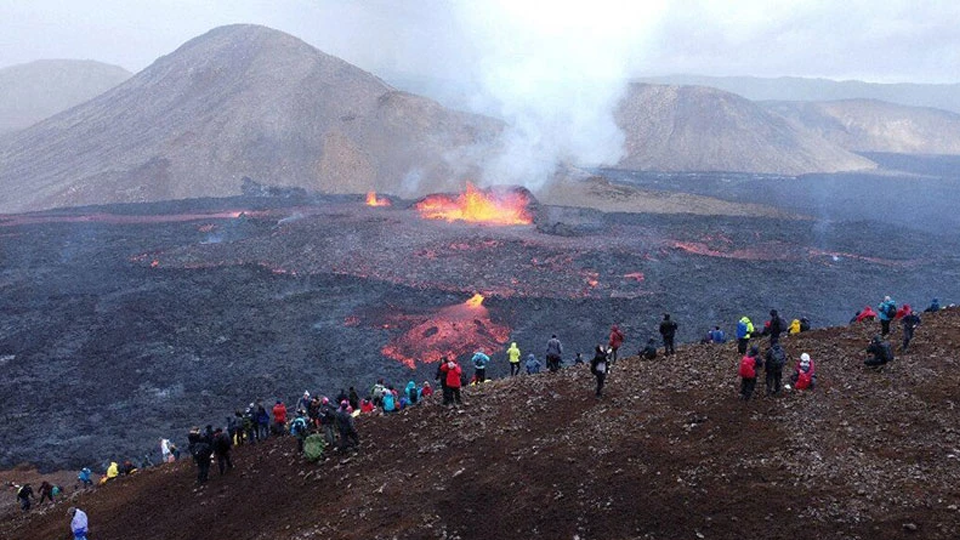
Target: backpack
314	446
748	367
298	426
890	310
412	396
778	356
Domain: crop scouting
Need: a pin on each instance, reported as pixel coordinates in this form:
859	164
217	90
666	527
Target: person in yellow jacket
513	354
744	331
794	327
113	470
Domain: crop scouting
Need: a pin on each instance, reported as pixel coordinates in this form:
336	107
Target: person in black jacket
348	430
776	357
910	323
201	451
668	329
776	327
221	448
599	366
650	351
881	352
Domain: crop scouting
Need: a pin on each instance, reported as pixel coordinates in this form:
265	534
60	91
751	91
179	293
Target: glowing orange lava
478	206
372	200
474	301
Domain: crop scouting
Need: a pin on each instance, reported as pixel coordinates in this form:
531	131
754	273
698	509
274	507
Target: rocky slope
669	452
37	90
239	101
861	125
692	128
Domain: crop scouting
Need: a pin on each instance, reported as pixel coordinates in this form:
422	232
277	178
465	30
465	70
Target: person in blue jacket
412	393
532	364
389	401
887	311
480	361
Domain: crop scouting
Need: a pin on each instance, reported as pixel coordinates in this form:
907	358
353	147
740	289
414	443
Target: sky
554	70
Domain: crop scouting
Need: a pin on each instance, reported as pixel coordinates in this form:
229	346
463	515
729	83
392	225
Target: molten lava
372	200
478	206
452	331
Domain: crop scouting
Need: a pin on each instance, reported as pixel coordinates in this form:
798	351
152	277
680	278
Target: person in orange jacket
616	340
279	418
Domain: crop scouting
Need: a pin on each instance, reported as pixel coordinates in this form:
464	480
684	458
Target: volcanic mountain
862	125
37	90
669	452
239	101
692	128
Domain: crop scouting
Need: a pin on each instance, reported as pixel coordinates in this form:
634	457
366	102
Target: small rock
912	527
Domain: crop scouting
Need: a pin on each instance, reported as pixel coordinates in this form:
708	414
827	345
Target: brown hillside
669	453
693	128
239	101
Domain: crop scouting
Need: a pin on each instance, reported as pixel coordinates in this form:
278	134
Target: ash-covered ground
119	325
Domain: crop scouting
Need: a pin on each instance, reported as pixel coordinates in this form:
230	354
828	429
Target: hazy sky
884	41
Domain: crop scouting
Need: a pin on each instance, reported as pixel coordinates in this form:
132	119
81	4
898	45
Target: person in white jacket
78	523
165	450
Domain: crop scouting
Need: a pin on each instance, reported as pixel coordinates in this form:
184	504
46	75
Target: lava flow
373	200
452	331
478	206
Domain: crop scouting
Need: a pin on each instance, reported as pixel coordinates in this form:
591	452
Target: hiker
299	429
221	449
717	335
903	312
880	352
554	353
46	492
867	314
84	476
389	401
304	401
376	393
348	430
668	330
113	470
933	307
598	366
24	495
776	358
426	390
804	376
616	340
328	420
202	452
342	396
452	372
250	424
165	454
532	364
774	327
234	422
78	523
412	393
366	406
263	422
749	365
910	323
650	351
480	361
887	311
127	468
279	418
513	355
794	327
804	324
441	377
744	331
353	398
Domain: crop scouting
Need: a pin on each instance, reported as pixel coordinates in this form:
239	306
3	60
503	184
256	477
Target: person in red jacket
616	340
749	365
452	373
427	390
805	375
868	314
279	418
903	312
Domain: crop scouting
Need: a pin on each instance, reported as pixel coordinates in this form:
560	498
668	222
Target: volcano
240	101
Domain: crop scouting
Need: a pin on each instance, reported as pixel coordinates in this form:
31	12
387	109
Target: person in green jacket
513	354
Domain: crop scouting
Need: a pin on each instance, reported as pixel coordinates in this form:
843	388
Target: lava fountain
478	206
373	200
452	331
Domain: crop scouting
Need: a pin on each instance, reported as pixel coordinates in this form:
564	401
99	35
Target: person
532	364
263	422
867	314
84	476
279	418
804	324
480	361
250	424
776	358
113	470
804	376
744	331
513	356
304	401
127	468
717	335
389	401
354	398
342	396
578	359
328	420
233	427
650	351
887	310
24	496
46	492
554	353
774	327
910	323
452	373
376	393
349	438
412	393
298	428
616	340
749	365
668	330
880	352
903	311
201	451
598	366
933	307
366	406
165	453
794	327
78	523
426	390
222	444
